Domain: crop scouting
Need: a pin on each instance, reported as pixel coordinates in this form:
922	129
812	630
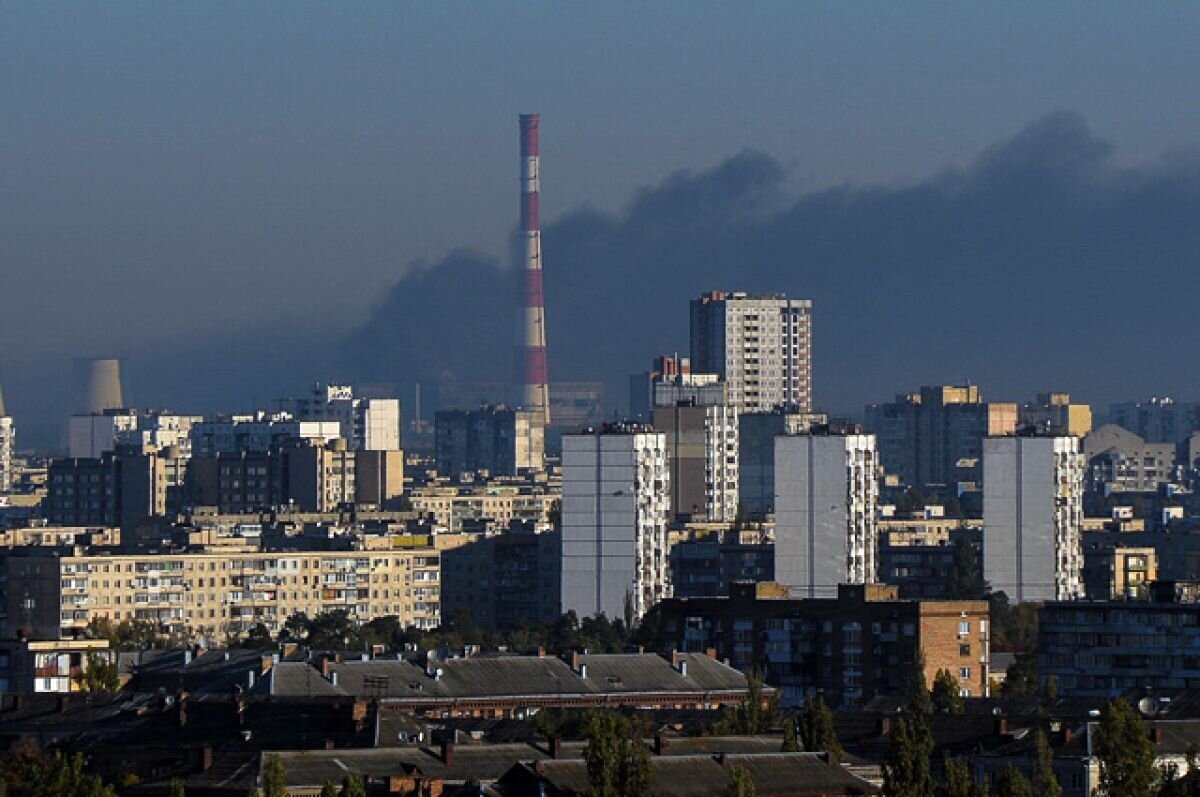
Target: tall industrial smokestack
2	412
103	386
534	371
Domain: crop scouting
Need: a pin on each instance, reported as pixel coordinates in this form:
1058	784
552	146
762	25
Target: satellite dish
1147	706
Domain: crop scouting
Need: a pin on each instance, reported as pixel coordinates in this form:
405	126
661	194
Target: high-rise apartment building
257	432
826	512
935	436
496	439
8	445
91	435
702	449
369	424
1054	413
1032	516
756	453
615	509
761	346
1162	419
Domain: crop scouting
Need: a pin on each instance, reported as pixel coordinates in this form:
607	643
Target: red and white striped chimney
534	371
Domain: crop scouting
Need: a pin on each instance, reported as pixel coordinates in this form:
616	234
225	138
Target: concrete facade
8	448
496	439
756	453
761	346
1162	419
702	449
826	509
1119	460
368	424
1033	514
615	509
935	436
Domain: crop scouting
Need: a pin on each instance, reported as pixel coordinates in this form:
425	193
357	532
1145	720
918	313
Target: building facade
935	436
702	449
1162	419
1120	461
756	453
615	509
55	593
862	643
1054	412
496	439
760	346
502	579
1033	515
1101	649
8	451
826	512
368	424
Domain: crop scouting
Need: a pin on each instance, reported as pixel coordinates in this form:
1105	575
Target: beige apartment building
454	507
214	594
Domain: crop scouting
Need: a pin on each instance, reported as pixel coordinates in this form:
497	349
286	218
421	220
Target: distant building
826	509
1119	460
702	450
493	439
8	445
760	346
494	503
756	453
1054	412
669	382
1118	573
615	507
1159	420
920	565
935	436
54	593
1033	514
708	565
369	424
1101	649
503	579
55	666
861	643
90	436
257	432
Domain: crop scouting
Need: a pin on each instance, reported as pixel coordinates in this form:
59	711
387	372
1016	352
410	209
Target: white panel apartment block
8	444
1032	516
761	346
826	506
615	508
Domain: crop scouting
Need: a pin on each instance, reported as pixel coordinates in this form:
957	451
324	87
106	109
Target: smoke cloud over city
1008	272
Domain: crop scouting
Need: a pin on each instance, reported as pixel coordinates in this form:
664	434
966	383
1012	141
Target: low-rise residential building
1101	649
862	644
458	508
56	593
57	665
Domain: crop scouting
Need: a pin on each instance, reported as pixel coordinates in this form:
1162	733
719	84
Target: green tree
30	773
965	579
329	789
1022	676
817	734
1011	783
1125	753
957	780
175	788
274	778
259	638
790	743
918	690
906	767
756	715
1045	782
944	696
352	786
740	783
100	675
618	762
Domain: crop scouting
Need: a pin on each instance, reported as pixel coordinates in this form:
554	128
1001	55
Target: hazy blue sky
167	169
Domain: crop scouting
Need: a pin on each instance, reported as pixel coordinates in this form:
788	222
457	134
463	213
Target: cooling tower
102	390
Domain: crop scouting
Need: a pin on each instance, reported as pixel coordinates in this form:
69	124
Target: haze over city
286	192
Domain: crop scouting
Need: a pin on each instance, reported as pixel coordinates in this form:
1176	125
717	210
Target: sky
229	194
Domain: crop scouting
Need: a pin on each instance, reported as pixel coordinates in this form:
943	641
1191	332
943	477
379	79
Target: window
964	628
964	672
964	650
